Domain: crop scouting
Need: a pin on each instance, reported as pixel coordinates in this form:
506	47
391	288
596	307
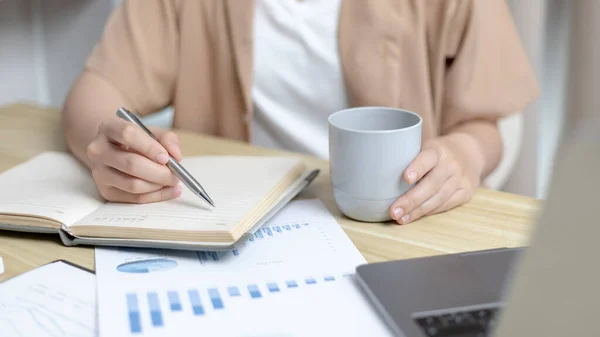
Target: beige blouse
448	60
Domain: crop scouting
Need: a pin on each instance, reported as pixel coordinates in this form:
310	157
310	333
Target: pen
172	164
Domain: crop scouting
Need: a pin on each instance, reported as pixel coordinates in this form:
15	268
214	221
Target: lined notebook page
52	185
236	185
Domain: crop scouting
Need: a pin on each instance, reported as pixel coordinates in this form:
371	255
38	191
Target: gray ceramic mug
369	150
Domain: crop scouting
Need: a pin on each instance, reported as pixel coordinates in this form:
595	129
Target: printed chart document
320	305
56	300
293	277
303	236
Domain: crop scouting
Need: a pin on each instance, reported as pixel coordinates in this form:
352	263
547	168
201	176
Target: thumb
170	141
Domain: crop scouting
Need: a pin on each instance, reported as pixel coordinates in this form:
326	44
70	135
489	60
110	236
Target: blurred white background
43	45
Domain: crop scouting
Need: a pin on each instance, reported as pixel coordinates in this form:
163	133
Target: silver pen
172	164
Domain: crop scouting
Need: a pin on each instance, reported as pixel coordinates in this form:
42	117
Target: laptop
549	288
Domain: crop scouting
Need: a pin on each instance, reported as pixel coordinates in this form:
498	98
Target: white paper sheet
303	236
56	300
320	305
295	278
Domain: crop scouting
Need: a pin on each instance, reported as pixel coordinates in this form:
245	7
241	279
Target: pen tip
209	200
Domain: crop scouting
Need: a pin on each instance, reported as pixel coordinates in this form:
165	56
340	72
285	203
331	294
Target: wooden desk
492	219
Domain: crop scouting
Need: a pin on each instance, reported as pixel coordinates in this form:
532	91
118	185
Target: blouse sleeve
488	75
138	53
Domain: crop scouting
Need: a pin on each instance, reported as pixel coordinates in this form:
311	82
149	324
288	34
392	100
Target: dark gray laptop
448	295
548	289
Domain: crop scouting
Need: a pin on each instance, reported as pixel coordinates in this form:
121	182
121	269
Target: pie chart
147	266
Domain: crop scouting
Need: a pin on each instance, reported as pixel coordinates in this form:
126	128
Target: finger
133	137
170	141
461	196
423	190
431	204
109	176
138	166
117	195
423	163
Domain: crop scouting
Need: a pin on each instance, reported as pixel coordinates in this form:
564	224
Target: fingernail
176	148
412	176
406	218
162	158
398	211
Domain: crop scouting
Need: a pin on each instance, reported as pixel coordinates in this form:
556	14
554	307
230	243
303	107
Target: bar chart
203	302
262	234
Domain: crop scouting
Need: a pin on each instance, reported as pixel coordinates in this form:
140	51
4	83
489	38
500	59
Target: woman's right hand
129	166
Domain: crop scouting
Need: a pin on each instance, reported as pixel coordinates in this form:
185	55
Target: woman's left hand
447	172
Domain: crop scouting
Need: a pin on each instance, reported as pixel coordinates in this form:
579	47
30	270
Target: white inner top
298	80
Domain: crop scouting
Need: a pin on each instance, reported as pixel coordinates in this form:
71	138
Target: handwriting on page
119	220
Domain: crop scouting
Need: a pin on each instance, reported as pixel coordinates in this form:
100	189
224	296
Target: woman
270	72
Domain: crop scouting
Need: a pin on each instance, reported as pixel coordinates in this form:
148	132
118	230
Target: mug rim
416	125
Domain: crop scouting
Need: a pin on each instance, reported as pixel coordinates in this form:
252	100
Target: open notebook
54	193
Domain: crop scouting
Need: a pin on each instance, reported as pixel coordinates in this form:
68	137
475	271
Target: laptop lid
556	287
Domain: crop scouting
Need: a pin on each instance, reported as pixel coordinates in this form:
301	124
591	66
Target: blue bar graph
196	304
155	314
174	301
268	230
287	227
218	297
135	322
215	298
258	234
297	225
273	287
233	291
254	292
277	229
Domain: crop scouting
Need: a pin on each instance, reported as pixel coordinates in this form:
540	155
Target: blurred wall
17	71
44	45
583	103
544	26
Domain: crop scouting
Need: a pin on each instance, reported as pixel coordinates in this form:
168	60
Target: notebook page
52	185
235	184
